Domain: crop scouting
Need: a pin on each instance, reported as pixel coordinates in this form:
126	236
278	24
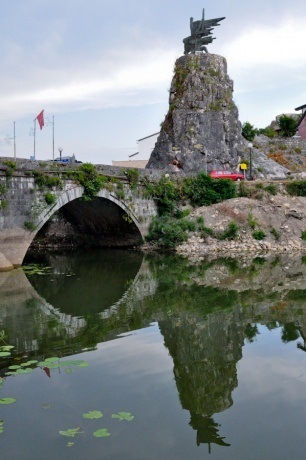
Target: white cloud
263	48
149	71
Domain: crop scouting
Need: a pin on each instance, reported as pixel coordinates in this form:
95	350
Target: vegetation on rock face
296	187
168	231
230	233
171	227
259	235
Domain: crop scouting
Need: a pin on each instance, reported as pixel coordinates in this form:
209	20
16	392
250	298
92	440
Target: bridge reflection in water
205	312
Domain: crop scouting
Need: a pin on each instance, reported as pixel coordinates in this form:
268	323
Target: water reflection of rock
205	352
207	344
265	273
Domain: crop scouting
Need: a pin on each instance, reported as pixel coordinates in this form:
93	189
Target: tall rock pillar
201	129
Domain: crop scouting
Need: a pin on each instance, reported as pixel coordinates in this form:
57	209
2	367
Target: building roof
301	107
151	135
140	164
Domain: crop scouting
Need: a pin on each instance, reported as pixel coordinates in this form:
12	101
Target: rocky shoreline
281	220
197	246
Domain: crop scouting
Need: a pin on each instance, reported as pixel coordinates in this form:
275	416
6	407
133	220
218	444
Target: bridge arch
103	221
111	222
76	192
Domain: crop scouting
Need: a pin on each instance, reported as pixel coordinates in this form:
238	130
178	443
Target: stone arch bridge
105	221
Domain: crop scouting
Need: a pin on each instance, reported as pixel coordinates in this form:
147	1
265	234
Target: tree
287	125
248	131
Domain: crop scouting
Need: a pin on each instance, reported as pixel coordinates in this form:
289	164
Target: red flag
40	119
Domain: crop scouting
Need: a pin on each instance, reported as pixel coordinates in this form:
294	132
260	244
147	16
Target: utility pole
53	137
34	136
14	142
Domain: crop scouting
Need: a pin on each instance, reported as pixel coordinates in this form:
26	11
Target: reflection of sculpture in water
207	431
201	34
205	352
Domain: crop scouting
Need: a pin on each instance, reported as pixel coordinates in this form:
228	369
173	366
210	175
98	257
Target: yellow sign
243	166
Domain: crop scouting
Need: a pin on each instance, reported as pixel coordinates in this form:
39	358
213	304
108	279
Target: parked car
67	160
223	174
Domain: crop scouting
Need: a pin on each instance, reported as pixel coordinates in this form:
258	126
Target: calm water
209	359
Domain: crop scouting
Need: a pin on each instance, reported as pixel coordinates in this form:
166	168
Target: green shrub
91	180
206	231
168	232
3	189
252	221
287	125
180	214
133	177
271	188
165	193
10	164
3	204
275	233
204	191
120	191
303	235
50	198
259	235
248	131
296	187
29	225
230	233
44	180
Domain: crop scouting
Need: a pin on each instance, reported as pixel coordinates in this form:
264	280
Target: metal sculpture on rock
201	34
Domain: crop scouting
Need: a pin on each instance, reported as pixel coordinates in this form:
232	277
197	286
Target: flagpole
14	142
34	136
53	137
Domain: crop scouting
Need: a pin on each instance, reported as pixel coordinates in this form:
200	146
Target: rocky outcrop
201	129
281	221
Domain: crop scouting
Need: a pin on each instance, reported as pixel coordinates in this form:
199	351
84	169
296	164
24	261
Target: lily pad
93	414
71	432
69	371
14	367
28	370
102	433
124	416
6	347
83	364
52	360
70	444
7	400
45	406
4	354
1	426
29	363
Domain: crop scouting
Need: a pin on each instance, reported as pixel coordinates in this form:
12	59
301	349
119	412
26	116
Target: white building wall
145	147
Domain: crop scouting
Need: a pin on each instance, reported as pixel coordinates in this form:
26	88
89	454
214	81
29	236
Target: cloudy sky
103	68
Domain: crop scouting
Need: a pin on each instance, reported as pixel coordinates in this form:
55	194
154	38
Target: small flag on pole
40	119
